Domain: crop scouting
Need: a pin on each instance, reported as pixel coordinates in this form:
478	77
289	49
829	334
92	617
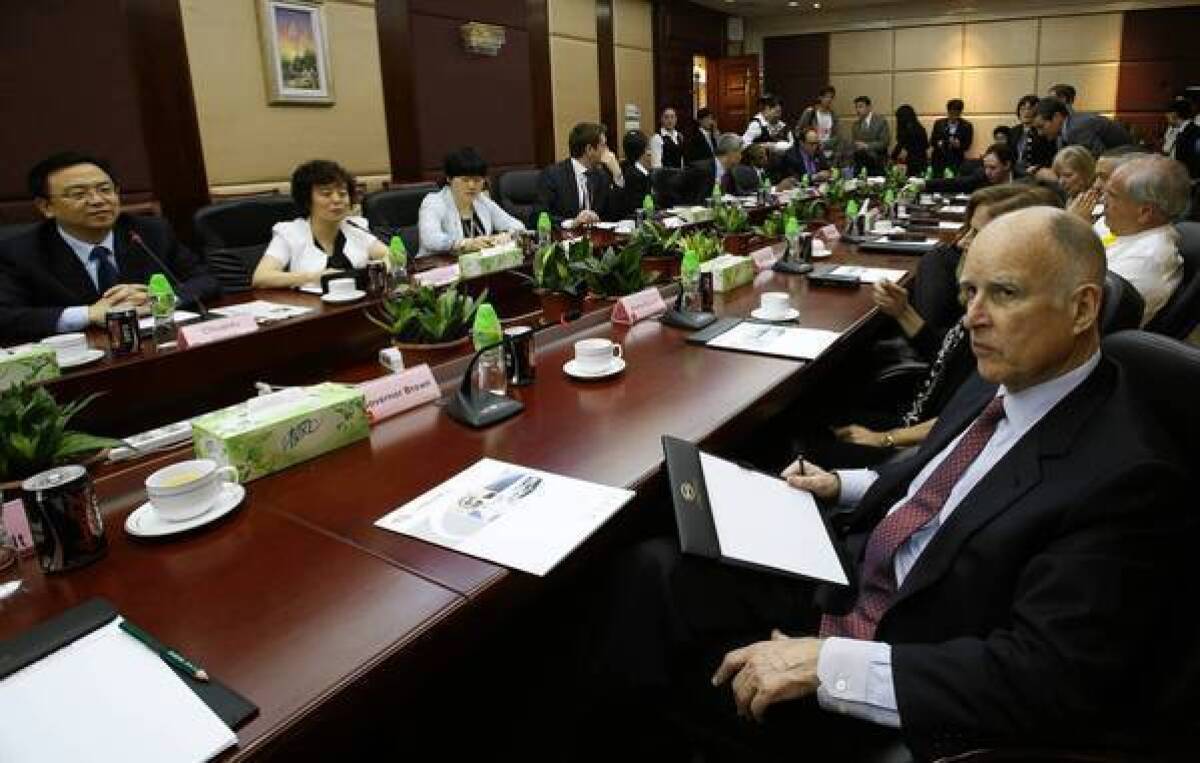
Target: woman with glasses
326	240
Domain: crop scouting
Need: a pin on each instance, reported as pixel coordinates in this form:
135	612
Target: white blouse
293	247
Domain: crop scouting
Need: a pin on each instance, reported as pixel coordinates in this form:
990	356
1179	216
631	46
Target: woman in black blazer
912	142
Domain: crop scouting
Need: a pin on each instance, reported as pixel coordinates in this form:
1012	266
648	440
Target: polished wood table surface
299	602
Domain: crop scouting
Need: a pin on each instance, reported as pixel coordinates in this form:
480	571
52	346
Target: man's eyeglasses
80	194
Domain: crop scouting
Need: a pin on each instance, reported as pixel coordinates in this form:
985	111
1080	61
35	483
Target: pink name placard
12	516
829	234
639	306
766	257
438	276
198	334
396	393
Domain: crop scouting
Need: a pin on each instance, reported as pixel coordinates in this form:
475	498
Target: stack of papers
181	316
869	275
262	311
773	339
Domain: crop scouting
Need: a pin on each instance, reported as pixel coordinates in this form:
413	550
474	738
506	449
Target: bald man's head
1032	282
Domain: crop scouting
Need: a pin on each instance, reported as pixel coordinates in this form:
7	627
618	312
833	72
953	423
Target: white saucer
791	315
348	297
145	523
83	358
571	368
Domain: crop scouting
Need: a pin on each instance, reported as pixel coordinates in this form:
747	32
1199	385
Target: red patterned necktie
878	585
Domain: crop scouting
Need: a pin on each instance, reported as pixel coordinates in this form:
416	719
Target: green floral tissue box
28	363
267	434
729	271
490	260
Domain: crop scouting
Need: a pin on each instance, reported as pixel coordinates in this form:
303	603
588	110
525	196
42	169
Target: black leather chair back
668	185
234	267
1122	307
516	192
1180	315
745	179
388	211
242	222
13	230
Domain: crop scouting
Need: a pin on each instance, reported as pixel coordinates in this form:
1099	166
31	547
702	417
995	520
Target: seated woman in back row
326	240
461	217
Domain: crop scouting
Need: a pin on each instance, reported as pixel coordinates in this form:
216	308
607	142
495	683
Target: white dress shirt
293	247
824	125
75	318
581	187
656	146
856	675
1150	261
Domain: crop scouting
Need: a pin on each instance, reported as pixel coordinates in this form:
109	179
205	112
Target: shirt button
841	684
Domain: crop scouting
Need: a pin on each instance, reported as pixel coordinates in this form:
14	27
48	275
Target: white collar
1159	230
672	134
82	248
642	169
578	165
1025	408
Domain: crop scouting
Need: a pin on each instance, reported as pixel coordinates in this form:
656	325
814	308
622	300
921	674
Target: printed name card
638	307
438	276
208	332
398	392
766	257
829	234
12	516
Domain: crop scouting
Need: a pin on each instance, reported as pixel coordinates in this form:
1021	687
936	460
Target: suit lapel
65	266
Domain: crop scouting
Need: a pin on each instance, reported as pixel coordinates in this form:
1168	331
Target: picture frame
295	48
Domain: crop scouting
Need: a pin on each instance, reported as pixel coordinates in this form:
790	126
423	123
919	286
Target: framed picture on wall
295	46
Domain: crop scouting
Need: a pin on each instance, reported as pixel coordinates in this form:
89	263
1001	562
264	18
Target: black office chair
1181	314
668	186
1122	306
389	211
13	230
242	222
233	267
516	192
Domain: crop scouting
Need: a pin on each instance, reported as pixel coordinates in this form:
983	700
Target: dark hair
906	121
60	161
465	162
768	101
702	113
954	104
863	99
1003	153
319	172
1026	100
1065	92
827	90
1048	107
1004	130
1181	108
583	135
634	144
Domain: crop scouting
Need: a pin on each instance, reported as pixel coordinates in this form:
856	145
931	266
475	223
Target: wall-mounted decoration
295	46
482	39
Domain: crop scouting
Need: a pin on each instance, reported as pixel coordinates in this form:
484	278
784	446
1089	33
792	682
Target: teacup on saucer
187	489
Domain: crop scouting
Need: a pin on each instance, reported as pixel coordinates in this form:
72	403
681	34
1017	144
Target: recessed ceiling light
817	6
793	4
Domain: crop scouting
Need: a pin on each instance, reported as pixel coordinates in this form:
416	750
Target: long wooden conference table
296	600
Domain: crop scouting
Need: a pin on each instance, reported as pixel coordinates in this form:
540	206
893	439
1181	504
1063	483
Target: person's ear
45	207
1086	307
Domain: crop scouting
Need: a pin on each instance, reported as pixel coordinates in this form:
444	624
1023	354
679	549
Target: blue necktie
106	273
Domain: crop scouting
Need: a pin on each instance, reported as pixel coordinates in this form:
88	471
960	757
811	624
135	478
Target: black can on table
122	324
64	518
706	291
377	278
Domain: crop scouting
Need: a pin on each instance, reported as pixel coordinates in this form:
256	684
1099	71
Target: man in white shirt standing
666	145
1142	199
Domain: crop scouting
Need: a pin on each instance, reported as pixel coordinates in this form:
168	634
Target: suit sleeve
882	138
20	320
1081	632
549	197
967	136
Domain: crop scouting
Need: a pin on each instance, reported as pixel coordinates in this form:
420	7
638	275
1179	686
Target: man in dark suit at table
1007	579
805	159
581	188
703	175
702	144
951	138
636	170
85	258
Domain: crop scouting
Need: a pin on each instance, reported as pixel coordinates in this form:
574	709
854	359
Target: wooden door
733	91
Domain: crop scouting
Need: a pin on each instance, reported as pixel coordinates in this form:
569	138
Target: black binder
47	637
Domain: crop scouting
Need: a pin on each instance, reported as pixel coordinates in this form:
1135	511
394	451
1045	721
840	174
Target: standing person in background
703	143
1064	93
871	135
1002	134
821	118
666	145
952	136
767	126
912	141
1185	143
1031	149
1057	123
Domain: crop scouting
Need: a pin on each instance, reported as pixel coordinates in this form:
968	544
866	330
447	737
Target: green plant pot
666	266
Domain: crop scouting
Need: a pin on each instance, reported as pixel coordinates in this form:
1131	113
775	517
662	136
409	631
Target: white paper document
519	517
263	311
181	316
773	339
311	288
948	225
953	210
868	275
764	521
106	697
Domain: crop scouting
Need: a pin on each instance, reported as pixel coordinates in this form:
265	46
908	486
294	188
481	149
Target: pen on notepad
169	656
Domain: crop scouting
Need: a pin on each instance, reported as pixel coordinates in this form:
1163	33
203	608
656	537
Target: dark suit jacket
791	164
696	148
40	275
967	183
1094	132
698	180
559	196
1030	148
1030	617
637	185
944	155
1187	149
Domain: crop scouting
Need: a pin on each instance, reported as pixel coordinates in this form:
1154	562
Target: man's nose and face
669	119
996	171
81	197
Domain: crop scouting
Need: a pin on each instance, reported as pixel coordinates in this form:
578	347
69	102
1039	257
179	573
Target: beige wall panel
573	18
1003	43
997	91
1095	84
927	92
860	52
575	85
877	87
1073	39
635	84
632	24
247	141
929	47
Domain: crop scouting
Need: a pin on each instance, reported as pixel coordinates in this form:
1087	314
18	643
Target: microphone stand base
482	409
687	320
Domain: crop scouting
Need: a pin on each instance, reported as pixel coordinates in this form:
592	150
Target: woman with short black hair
326	239
462	217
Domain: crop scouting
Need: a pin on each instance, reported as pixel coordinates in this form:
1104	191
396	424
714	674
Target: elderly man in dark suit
1006	579
582	188
87	256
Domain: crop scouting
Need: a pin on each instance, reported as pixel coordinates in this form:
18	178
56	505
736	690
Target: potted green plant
732	222
659	247
615	273
36	436
434	325
559	288
704	244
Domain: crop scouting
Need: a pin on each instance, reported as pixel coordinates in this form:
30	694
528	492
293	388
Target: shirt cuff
72	319
856	680
855	484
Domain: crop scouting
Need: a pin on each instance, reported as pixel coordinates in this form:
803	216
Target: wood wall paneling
541	88
1159	57
399	88
682	30
608	73
509	13
795	68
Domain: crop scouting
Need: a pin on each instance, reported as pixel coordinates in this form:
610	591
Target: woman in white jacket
461	217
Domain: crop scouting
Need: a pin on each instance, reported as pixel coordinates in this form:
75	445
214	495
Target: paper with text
772	339
868	275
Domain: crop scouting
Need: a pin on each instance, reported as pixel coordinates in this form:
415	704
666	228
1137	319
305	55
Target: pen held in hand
168	655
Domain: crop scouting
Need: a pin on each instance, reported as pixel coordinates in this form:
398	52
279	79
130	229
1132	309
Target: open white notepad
869	275
773	339
106	697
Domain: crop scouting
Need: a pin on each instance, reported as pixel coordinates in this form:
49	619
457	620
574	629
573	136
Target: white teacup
187	489
342	287
774	304
595	355
66	346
